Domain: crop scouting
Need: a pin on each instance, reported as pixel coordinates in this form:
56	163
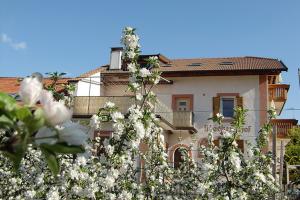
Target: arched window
178	157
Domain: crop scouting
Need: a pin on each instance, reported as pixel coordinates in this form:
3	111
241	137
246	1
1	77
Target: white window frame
221	104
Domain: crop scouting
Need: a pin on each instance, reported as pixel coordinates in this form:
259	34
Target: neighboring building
11	85
197	89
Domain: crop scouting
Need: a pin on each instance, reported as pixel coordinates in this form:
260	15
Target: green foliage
51	160
292	151
20	124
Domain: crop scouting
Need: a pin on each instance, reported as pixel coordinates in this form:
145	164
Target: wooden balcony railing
89	105
85	106
164	111
278	92
283	126
183	118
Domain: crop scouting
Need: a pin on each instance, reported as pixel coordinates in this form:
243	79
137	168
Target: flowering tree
47	127
224	173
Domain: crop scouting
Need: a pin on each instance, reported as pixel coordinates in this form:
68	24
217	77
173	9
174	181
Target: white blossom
109	181
131	67
109	104
139	96
144	72
226	134
117	116
30	90
53	194
46	97
72	134
140	129
95	122
235	161
56	112
46	136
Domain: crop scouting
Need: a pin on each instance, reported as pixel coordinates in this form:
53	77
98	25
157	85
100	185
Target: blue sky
76	36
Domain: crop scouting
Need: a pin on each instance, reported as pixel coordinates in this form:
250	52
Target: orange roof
211	65
11	84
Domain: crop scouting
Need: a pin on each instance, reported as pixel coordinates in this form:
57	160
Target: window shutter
216	105
239	102
240	144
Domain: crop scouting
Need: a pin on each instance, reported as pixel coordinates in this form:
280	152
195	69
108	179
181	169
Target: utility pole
299	76
281	168
274	138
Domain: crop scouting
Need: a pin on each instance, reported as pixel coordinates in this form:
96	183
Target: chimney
116	58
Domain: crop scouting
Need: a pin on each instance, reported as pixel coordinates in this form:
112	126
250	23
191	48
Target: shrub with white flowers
118	168
45	125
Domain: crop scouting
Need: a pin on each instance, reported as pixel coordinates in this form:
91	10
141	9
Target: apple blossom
46	136
56	112
72	133
117	116
144	72
30	90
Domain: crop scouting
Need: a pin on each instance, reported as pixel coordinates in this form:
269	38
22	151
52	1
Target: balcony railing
278	92
89	105
183	118
283	126
164	111
85	105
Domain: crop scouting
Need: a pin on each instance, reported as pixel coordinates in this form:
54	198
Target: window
182	102
228	107
182	105
225	103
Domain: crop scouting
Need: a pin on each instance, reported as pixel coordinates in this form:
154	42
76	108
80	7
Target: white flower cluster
56	114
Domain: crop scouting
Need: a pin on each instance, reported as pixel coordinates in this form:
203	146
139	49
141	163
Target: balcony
278	93
89	105
86	106
183	119
283	126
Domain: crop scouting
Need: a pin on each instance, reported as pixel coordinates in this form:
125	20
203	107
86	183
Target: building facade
193	91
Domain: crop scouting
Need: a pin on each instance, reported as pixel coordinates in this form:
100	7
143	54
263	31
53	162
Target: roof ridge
90	72
235	57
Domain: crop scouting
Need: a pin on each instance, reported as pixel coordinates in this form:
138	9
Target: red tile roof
210	65
11	85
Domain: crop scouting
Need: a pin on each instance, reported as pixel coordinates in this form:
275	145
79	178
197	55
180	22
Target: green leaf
23	113
5	122
64	148
7	102
51	160
37	121
16	156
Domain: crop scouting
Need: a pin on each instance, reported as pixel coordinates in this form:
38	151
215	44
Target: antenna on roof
299	76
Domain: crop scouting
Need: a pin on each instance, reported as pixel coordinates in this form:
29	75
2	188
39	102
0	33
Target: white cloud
5	39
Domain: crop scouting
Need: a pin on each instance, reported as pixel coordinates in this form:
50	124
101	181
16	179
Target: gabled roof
251	65
11	85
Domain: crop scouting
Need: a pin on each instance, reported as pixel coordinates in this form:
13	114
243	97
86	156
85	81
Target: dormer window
195	65
226	63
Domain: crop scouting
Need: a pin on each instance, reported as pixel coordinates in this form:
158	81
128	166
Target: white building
197	89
